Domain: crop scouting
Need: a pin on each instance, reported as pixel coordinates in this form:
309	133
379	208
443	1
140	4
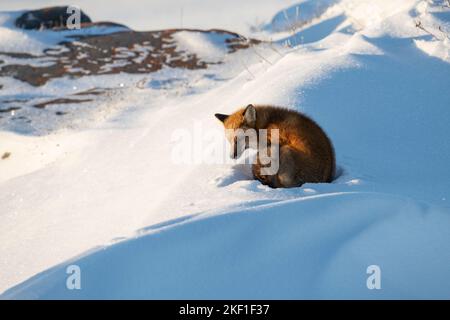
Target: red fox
305	153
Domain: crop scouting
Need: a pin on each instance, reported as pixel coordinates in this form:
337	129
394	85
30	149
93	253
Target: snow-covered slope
373	74
315	247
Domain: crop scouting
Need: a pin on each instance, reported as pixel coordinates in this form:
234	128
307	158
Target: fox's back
301	133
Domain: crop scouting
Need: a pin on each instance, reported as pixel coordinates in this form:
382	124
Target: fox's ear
250	115
221	117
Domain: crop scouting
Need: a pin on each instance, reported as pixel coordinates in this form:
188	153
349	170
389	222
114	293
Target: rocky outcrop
95	49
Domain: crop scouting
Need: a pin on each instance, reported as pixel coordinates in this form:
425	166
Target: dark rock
48	18
42	105
9	109
6	155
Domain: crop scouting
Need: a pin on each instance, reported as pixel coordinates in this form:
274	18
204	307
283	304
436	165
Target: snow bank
208	47
439	49
207	231
318	247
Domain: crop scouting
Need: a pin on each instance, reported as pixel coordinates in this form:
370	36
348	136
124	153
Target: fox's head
240	129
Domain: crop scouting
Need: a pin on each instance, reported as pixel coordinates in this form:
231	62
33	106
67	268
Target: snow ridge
373	74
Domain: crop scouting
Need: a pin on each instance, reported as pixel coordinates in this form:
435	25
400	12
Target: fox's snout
235	127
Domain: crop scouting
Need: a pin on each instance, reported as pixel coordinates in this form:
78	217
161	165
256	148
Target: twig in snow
141	83
243	63
292	25
261	56
254	49
248	70
421	27
274	49
181	17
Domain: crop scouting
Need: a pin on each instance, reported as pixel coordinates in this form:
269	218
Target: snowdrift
318	247
101	190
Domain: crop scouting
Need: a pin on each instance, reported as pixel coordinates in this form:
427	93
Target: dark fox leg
297	168
289	173
268	180
286	176
294	170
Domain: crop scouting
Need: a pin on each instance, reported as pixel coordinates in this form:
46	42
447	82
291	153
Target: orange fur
306	153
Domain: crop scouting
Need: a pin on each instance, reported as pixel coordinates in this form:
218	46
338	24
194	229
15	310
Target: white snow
251	254
439	49
376	83
209	48
303	12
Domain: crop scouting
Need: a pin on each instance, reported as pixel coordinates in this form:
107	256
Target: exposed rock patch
128	51
96	49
